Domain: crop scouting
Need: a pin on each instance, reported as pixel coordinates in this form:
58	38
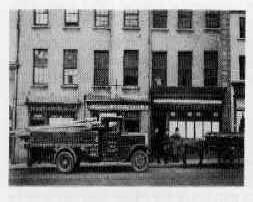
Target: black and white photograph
127	97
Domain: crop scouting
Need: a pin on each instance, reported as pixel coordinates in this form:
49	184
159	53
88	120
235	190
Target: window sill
40	27
188	30
71	27
241	39
214	30
160	29
39	86
101	28
101	87
132	28
130	88
69	86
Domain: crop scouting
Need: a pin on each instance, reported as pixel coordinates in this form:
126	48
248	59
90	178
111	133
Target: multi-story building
238	34
160	69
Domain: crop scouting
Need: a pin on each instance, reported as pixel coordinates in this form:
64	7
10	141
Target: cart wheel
139	161
65	162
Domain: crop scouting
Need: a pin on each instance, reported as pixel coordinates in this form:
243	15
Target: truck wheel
139	161
65	162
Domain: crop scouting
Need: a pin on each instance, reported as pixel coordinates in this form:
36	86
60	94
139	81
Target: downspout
17	68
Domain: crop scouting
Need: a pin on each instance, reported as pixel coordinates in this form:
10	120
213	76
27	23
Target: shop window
185	68
130	68
190	129
70	67
160	18
71	18
101	68
102	18
210	68
198	129
40	17
132	122
242	66
212	19
131	19
184	19
40	69
242	27
159	69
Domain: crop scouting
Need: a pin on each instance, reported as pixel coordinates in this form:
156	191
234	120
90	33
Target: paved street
123	175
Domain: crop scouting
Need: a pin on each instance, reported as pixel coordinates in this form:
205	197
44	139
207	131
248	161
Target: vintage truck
105	140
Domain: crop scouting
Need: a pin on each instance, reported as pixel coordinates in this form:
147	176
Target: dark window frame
96	82
74	67
184	18
71	24
98	15
127	69
211	71
132	116
184	69
37	12
242	67
242	27
212	20
39	66
157	56
159	14
132	13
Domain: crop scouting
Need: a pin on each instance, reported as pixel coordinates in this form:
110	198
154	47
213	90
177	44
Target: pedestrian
157	150
176	144
165	145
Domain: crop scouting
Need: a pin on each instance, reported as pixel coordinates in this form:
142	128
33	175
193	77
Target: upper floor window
71	18
210	68
40	69
242	27
131	19
159	69
101	68
40	17
184	19
130	68
160	18
185	68
213	19
242	66
102	18
70	66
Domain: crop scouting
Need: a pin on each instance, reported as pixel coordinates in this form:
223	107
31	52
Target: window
130	68
242	67
184	19
185	68
71	18
101	68
132	121
70	66
160	19
210	68
242	27
159	69
131	19
102	18
212	19
40	62
40	17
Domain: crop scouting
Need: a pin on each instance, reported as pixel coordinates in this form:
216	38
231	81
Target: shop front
194	111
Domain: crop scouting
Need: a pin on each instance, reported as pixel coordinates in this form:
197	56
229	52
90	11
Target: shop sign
118	107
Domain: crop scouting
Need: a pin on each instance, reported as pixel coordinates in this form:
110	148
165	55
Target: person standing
157	146
176	144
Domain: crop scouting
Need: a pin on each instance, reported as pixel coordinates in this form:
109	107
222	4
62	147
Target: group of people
166	146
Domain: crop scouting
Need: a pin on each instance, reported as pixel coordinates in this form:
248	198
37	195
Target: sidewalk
190	162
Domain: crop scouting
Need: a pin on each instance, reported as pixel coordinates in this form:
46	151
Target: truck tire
139	160
65	162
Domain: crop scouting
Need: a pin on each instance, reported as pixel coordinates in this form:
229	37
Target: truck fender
68	149
136	147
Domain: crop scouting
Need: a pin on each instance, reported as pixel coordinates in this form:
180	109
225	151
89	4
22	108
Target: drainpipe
17	68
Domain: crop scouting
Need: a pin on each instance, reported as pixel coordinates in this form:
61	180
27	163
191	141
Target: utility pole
17	68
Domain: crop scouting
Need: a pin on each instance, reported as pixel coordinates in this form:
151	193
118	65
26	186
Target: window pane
185	69
101	18
40	66
211	67
207	127
199	129
190	129
101	68
242	27
242	67
131	18
41	17
40	75
70	76
212	19
216	126
160	19
70	59
181	126
159	68
131	67
184	19
132	121
71	17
